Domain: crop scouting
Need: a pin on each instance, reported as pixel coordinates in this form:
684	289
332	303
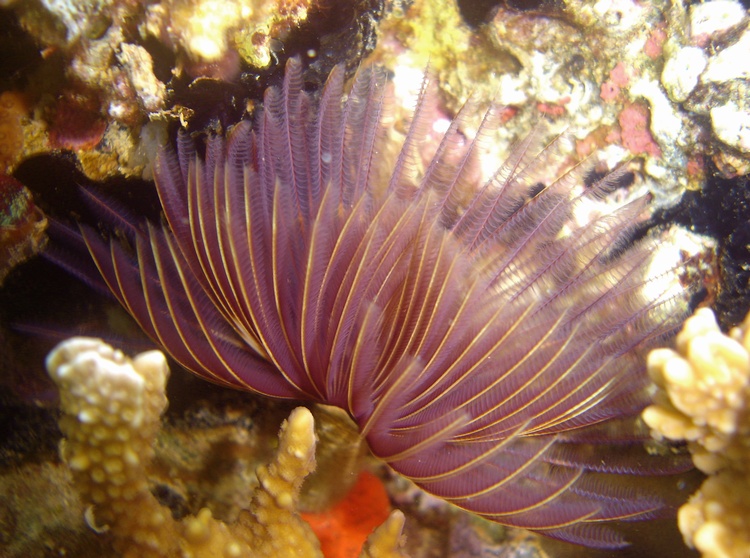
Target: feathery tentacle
481	340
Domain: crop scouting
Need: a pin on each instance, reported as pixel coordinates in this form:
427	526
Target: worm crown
488	348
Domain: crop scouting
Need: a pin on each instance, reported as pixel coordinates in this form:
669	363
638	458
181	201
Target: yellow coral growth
111	415
704	399
274	527
111	409
386	542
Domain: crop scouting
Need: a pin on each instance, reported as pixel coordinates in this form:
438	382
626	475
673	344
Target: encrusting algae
704	399
111	415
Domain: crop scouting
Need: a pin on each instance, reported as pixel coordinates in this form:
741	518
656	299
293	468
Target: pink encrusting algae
634	130
619	77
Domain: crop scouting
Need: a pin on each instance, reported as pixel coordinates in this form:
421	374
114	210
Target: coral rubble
714	54
111	414
581	66
110	70
705	400
585	66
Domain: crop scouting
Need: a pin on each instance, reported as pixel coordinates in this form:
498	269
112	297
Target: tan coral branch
111	415
705	400
111	409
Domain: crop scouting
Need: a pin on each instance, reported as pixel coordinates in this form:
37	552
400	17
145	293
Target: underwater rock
110	68
682	71
22	225
713	19
581	68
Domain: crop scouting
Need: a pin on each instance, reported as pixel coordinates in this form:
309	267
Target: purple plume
488	350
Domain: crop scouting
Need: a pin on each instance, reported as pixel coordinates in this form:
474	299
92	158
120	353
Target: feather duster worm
487	350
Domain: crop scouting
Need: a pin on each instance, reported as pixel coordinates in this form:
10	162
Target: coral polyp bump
488	348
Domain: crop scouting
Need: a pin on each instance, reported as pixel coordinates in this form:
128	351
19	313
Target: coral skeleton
704	398
489	347
111	415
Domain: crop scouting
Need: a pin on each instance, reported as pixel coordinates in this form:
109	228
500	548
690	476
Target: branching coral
705	400
111	411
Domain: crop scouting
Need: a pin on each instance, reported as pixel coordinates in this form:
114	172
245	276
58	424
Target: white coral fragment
731	124
682	71
139	68
666	124
710	18
730	64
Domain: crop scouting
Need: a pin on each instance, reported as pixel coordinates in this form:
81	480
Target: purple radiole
487	349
